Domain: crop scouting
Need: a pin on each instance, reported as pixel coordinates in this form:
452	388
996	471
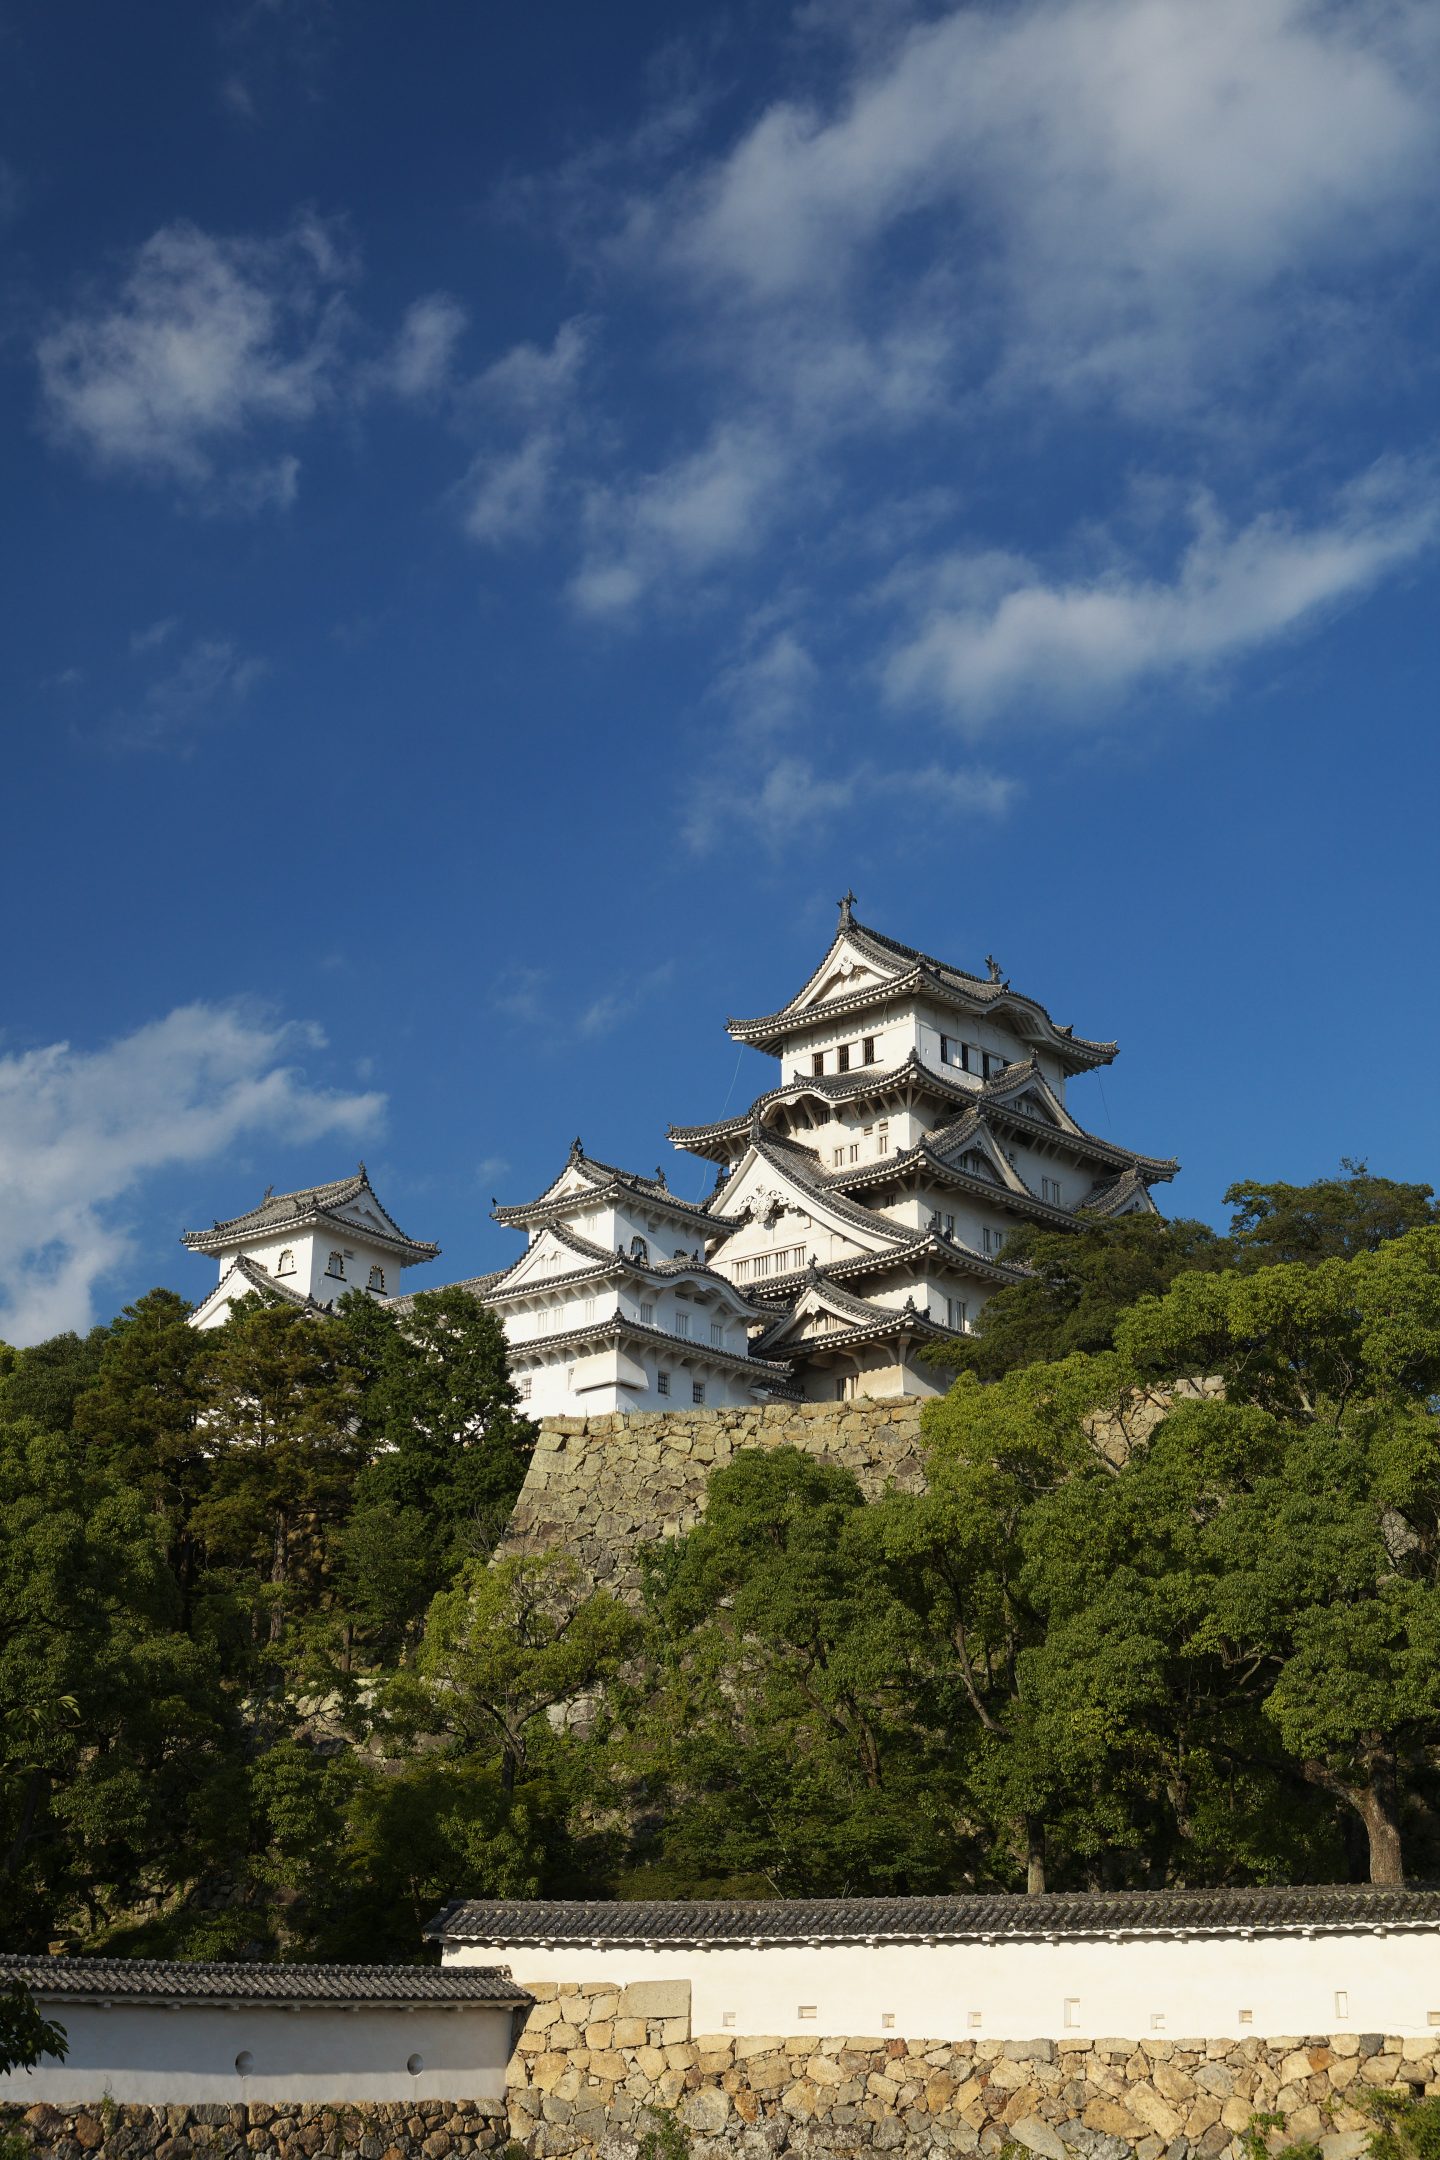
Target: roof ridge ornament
847	909
577	1152
993	967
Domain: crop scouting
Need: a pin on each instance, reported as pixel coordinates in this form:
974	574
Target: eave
535	1348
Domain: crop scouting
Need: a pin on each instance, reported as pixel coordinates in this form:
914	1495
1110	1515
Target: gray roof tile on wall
954	1919
172	1981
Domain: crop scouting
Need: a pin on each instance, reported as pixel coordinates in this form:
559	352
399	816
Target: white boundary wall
1325	1981
173	2056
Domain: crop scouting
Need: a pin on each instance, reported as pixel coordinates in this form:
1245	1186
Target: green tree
283	1456
42	1383
1329	1219
24	2034
113	1735
783	1729
1078	1284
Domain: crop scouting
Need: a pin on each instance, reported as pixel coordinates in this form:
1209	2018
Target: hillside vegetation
264	1690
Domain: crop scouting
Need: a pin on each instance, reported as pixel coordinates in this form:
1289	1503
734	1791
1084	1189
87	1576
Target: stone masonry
600	1487
594	2061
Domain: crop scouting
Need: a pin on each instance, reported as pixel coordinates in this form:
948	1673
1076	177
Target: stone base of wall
362	2130
580	2084
761	2098
601	1487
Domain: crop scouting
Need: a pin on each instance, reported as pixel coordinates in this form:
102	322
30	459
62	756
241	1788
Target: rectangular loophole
973	2018
1072	2010
1157	2021
1342	2003
727	2017
805	2010
1247	2017
1432	2017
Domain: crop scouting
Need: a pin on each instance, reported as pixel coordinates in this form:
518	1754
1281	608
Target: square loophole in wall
974	2018
887	2021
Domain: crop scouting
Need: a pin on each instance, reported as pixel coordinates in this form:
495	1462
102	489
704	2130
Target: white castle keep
859	1216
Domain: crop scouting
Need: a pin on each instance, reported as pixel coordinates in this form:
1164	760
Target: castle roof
585	1179
773	1373
310	1208
863	1320
255	1278
596	1262
898	969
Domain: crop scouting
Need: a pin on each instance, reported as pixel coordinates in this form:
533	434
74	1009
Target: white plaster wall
1291	1984
146	2052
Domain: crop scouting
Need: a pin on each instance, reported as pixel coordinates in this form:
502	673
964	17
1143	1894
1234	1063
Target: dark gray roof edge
78	1978
1329	1908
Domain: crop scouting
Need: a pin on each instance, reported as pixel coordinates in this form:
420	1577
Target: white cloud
993	629
537	378
504	496
209	682
702	510
203	342
770	685
791	803
1111	181
421	360
154	635
80	1131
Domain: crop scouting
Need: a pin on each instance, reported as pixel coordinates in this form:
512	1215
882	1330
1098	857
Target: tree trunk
279	1558
1379	1809
1034	1859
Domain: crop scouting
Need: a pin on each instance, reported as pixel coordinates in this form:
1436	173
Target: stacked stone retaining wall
602	1487
586	2076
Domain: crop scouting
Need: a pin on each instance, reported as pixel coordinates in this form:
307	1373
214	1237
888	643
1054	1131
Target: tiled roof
1325	1907
860	1081
279	1212
922	971
597	1261
602	1177
477	1285
172	1981
265	1284
802	1164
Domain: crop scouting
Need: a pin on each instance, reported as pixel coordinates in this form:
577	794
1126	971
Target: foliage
666	2139
24	2034
263	1686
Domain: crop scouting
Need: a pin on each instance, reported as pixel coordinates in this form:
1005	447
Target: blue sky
510	511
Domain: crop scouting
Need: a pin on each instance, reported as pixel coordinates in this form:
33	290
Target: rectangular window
839	1156
868	1050
682	1326
882	1139
949	1226
761	1264
994	1240
697	1392
854	1151
1050	1190
522	1387
842	1058
647	1316
957	1315
589	1310
817	1061
542	1322
662	1383
717	1334
336	1265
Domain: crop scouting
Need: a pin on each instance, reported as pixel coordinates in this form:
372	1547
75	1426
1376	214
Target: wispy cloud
991	629
81	1130
208	683
154	635
201	344
793	804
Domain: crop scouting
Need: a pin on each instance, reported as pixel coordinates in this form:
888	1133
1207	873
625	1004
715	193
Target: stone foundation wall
585	2076
600	1487
374	2130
